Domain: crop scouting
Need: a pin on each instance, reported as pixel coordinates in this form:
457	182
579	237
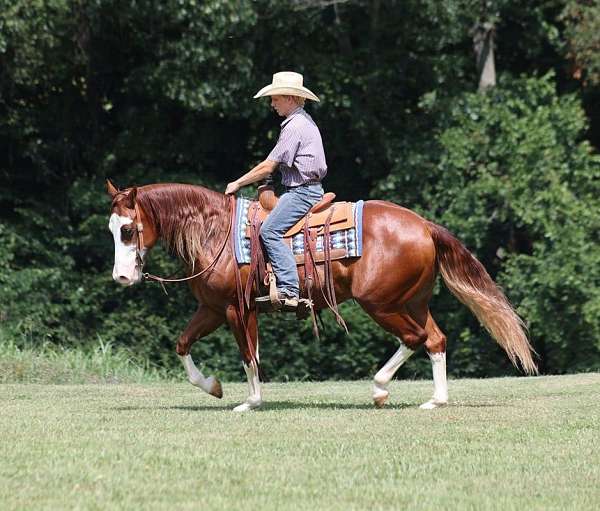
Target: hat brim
303	92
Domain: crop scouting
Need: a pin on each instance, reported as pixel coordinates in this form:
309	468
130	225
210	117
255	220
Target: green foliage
150	91
289	350
49	364
508	172
582	38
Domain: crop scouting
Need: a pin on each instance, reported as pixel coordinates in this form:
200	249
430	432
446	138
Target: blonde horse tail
468	280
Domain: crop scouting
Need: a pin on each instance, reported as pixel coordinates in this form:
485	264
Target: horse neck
192	221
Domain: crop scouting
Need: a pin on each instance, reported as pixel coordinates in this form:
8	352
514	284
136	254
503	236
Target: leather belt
303	184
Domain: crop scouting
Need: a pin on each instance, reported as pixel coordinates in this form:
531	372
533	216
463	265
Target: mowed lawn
510	443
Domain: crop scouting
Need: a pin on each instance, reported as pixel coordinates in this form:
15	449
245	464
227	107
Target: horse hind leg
436	349
410	335
386	373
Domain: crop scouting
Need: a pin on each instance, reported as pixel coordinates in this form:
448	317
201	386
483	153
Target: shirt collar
292	114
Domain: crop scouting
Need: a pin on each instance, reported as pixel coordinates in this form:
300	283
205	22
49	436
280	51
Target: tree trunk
483	44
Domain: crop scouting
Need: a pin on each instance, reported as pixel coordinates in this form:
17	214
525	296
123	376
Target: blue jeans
292	206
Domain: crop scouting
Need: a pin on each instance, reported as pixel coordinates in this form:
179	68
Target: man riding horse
392	279
300	157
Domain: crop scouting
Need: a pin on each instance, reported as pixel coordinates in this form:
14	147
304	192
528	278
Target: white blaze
124	270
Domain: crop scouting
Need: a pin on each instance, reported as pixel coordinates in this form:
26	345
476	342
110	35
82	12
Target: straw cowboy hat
286	83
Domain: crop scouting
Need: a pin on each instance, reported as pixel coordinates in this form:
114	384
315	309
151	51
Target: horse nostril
121	279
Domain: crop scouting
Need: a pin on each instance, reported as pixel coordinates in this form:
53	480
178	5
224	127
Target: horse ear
131	196
111	189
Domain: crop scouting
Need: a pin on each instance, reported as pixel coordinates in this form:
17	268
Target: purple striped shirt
299	150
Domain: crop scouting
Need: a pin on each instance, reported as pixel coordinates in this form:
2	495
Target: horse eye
126	233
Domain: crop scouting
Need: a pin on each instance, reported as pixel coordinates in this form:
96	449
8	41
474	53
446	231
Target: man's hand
232	188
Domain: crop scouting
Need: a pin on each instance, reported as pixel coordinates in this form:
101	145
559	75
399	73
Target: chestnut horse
392	281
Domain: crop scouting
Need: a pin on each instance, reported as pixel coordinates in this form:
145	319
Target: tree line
482	116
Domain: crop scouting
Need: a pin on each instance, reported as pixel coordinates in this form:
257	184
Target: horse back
398	254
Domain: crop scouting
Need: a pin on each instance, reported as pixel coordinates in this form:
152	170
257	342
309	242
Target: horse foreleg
436	349
249	356
254	399
202	323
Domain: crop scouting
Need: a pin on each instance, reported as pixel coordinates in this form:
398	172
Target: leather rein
140	248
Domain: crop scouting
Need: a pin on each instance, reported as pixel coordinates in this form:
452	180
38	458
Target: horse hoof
432	403
380	400
247	406
216	389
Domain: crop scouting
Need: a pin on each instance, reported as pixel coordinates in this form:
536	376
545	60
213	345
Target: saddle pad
344	243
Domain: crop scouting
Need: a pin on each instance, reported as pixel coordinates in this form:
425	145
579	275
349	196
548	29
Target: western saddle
323	218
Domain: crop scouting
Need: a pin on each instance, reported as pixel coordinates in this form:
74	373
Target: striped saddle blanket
345	237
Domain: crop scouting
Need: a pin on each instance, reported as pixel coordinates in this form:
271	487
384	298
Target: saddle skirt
345	230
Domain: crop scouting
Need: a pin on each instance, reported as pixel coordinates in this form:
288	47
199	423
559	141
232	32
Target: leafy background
145	91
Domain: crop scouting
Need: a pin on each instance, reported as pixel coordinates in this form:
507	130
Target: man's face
283	105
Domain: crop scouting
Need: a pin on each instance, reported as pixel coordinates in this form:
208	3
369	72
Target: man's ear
131	196
111	189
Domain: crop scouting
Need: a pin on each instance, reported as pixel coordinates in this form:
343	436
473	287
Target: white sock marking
254	394
195	376
440	383
386	373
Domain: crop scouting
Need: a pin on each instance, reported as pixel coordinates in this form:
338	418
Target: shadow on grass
481	405
269	406
197	408
290	405
293	405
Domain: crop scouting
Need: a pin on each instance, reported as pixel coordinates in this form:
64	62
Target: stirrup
304	308
274	302
301	306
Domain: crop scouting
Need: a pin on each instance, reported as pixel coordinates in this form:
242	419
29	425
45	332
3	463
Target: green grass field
527	443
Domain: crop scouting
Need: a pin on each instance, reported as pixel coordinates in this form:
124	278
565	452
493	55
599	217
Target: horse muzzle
127	278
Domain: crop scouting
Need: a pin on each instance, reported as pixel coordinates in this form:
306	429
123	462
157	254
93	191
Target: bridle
140	247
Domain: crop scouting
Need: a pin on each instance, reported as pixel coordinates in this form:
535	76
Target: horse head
132	233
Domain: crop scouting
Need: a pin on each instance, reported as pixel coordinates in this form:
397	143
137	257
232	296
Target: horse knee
436	344
183	347
414	339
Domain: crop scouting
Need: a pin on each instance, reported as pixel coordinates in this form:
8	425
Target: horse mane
187	218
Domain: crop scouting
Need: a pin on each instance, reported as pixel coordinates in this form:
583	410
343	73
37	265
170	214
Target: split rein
162	280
